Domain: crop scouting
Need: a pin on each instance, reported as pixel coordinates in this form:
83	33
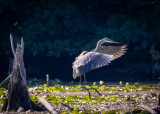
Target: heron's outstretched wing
116	51
94	60
78	59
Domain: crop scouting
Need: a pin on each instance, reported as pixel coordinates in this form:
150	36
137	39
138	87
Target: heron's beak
106	39
115	42
112	41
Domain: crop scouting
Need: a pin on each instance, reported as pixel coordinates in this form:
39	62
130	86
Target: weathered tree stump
18	95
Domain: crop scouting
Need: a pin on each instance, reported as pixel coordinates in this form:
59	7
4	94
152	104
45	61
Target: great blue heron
98	57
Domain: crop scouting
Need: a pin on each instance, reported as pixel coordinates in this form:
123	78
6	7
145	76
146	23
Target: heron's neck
99	43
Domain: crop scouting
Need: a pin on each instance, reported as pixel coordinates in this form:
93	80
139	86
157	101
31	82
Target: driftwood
18	95
5	80
148	108
157	109
66	105
47	105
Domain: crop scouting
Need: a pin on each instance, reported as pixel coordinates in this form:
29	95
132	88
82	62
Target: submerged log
18	95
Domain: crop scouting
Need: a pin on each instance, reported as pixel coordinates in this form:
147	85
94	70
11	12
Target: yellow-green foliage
2	89
154	94
145	112
34	98
136	84
75	109
111	112
145	87
136	110
1	93
127	113
102	87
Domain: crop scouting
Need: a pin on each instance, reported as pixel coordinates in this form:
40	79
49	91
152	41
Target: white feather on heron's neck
99	43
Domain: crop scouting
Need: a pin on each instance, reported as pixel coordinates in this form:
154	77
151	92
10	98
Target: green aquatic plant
2	89
154	95
75	109
47	79
127	84
102	87
111	112
101	82
2	99
1	93
34	98
136	84
120	83
136	110
94	83
145	112
127	113
144	87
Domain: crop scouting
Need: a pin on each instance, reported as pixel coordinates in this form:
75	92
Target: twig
95	90
148	108
87	90
6	79
47	105
66	105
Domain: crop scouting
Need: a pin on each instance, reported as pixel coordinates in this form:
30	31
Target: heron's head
106	39
74	74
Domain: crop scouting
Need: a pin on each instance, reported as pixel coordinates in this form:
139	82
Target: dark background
56	31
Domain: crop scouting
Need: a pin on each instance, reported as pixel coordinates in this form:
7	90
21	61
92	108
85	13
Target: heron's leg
80	80
85	79
85	88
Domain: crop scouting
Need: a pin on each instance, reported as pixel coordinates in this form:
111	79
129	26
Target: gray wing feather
116	51
78	60
94	60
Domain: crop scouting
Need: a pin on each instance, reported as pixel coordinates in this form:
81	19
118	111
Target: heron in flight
98	57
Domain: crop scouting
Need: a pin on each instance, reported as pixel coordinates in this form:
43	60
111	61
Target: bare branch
47	105
6	79
12	45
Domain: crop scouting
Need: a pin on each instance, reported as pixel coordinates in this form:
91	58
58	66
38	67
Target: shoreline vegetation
116	97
